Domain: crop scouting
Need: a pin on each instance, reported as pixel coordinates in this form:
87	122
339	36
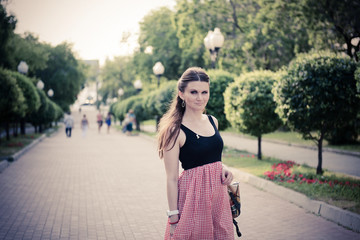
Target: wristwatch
171	213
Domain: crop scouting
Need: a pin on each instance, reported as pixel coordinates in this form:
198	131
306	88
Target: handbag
235	203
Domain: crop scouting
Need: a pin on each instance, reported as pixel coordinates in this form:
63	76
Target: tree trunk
15	129
319	167
22	126
259	147
7	129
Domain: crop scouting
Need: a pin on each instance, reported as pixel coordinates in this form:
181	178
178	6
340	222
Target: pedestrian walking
99	119
108	121
69	124
198	201
130	120
84	125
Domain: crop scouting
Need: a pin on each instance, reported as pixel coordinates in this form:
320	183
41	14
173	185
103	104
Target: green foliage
38	117
317	93
63	74
117	74
7	27
158	31
122	107
334	24
219	81
29	49
146	106
12	101
249	104
31	95
164	96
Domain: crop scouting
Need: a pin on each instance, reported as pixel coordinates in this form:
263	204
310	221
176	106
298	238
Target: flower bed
283	172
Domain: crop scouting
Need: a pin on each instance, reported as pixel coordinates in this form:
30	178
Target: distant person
129	122
99	118
108	121
69	124
84	125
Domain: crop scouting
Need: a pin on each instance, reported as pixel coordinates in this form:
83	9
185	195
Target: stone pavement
112	186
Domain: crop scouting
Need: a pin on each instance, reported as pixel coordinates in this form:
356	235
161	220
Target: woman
198	201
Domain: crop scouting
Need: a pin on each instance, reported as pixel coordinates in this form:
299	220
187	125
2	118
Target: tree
28	48
335	23
249	104
7	27
219	81
316	94
116	74
158	31
63	74
12	101
32	102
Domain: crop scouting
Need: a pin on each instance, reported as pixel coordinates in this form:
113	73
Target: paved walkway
112	186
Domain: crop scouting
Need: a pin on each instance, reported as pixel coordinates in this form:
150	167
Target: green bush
164	97
134	102
249	104
32	102
12	101
219	81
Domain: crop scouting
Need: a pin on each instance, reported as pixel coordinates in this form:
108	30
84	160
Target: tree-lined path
112	186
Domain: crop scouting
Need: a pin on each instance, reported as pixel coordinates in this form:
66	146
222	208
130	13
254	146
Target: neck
192	115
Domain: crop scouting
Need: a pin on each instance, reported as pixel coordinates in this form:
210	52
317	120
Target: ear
181	94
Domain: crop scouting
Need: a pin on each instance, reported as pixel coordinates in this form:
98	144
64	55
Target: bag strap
237	228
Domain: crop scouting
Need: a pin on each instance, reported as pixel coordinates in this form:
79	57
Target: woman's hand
173	219
226	176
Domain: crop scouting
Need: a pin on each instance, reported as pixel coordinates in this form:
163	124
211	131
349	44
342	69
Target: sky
94	27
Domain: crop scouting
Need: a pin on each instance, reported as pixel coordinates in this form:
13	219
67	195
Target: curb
342	217
6	162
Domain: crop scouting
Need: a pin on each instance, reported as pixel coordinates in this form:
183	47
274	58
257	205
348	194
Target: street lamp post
213	41
158	70
138	87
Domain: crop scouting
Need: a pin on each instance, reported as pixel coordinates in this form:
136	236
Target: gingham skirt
203	206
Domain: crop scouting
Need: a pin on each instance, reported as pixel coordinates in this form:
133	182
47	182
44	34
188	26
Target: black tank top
199	150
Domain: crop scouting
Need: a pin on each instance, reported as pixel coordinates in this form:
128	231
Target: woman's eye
193	92
204	92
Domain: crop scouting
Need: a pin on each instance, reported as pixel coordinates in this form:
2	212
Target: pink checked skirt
203	205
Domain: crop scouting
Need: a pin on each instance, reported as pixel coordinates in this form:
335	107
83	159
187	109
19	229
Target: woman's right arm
171	160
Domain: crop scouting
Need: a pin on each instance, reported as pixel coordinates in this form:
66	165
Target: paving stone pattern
112	186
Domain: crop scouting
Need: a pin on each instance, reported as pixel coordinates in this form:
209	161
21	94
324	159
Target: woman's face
196	95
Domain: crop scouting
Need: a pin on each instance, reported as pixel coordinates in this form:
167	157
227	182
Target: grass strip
337	189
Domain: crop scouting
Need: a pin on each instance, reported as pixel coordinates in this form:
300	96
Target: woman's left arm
226	175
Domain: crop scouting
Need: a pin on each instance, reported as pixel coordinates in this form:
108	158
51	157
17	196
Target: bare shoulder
215	121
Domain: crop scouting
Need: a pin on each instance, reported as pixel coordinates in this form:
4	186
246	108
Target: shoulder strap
212	122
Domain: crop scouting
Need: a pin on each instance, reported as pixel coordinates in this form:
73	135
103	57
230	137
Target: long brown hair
169	126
